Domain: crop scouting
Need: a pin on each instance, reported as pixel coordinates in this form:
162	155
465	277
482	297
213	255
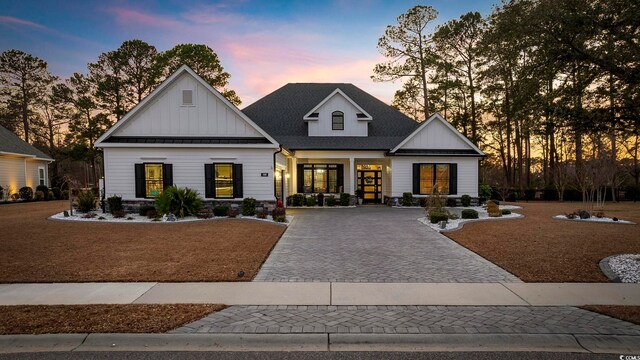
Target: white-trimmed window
337	120
42	175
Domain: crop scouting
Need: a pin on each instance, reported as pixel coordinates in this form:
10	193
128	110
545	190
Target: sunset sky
262	44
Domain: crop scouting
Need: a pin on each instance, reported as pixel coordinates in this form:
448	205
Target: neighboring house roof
281	115
103	140
11	144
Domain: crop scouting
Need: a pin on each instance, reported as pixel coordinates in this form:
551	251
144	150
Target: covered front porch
366	174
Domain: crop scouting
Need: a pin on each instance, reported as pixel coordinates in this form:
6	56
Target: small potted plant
360	196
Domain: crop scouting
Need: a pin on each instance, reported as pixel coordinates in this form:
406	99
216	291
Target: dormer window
337	120
187	97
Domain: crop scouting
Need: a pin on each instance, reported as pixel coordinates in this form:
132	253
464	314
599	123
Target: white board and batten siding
402	173
188	168
166	115
323	125
436	135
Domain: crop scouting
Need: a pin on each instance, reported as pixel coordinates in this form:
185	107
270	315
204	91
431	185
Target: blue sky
262	44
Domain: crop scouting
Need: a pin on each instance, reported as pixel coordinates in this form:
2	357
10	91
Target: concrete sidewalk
319	342
323	293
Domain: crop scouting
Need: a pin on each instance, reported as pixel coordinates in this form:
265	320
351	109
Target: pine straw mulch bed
123	318
537	248
35	249
626	313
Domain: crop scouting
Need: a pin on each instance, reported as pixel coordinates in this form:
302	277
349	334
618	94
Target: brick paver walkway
409	320
372	244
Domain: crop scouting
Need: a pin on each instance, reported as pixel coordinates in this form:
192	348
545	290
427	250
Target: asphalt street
316	356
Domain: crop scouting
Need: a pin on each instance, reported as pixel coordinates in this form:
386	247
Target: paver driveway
372	244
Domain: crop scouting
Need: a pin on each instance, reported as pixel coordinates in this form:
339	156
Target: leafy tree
24	79
410	50
204	61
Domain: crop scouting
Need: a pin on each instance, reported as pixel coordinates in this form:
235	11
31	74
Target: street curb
614	344
456	342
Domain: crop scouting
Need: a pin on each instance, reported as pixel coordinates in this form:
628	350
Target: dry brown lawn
35	249
537	248
127	318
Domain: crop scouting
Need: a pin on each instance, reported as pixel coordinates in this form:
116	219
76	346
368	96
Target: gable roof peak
365	115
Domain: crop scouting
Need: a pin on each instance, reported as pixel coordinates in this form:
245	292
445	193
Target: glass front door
370	182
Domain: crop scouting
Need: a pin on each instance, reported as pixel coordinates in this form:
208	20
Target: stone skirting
134	205
397	201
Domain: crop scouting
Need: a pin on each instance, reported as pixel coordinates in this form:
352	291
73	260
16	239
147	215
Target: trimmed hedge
469	214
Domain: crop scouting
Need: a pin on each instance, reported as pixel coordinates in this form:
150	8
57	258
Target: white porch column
352	175
293	178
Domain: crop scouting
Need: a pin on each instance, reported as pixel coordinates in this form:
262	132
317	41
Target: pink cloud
18	24
8	20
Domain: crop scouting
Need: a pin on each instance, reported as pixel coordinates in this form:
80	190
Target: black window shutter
208	181
340	177
453	179
237	181
416	178
141	185
300	175
167	175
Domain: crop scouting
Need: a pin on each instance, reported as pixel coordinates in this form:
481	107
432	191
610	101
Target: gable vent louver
187	97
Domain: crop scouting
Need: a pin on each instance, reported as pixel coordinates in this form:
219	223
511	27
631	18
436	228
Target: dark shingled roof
11	143
281	114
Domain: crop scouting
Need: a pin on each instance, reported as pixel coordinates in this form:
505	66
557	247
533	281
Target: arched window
337	120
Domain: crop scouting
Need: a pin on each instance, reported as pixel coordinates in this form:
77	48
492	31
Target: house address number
264	174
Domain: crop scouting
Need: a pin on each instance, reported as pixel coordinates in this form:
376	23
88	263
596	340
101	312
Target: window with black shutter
223	180
152	178
435	178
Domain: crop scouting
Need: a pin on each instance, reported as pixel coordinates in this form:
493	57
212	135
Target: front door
370	182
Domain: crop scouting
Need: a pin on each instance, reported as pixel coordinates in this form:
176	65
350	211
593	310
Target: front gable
319	119
182	109
437	135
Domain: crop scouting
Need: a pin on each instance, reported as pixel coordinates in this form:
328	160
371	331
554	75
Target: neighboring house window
337	120
223	180
431	178
42	176
152	179
320	178
187	97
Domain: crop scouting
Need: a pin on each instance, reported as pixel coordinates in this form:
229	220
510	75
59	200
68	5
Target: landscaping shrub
320	198
485	191
248	206
180	202
279	215
65	194
297	200
45	191
57	193
26	193
436	216
505	212
89	215
14	196
86	201
220	210
599	214
1	193
39	196
493	210
407	199
311	201
345	199
145	208
465	200
529	194
331	200
423	202
52	196
119	214
469	214
451	202
152	214
115	204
